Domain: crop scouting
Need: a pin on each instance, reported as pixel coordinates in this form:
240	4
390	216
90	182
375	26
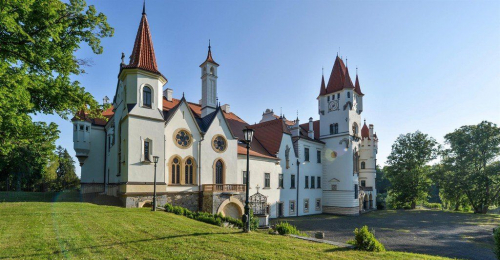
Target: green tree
407	168
38	40
470	158
450	192
381	182
66	174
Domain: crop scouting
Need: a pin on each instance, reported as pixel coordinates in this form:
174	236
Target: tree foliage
471	166
38	41
407	168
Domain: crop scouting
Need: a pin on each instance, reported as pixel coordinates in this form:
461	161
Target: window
319	183
267	180
244	177
306	205
363	183
348	94
336	128
292	207
175	171
306	182
338	95
219	143
182	138
355	129
146	97
318	156
328	98
147	150
189	171
292	181
318	204
313	182
87	128
334	186
219	172
356	195
331	129
306	154
81	127
280	181
363	165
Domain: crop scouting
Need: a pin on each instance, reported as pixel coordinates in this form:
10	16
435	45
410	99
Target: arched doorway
231	207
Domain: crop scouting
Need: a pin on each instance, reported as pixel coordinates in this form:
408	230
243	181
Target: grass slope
81	230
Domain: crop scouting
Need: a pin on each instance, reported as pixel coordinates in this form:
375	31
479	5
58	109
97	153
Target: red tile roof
83	116
365	132
270	134
357	88
143	54
322	90
315	128
209	56
287	122
339	78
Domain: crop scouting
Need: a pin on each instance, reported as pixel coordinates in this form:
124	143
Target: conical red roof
322	91
347	81
357	88
365	132
337	77
143	54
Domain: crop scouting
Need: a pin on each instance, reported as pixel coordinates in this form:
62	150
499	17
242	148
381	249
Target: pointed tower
208	84
357	90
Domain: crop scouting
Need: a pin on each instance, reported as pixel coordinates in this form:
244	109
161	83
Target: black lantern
248	133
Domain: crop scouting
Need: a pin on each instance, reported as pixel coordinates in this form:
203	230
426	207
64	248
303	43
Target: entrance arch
231	207
365	203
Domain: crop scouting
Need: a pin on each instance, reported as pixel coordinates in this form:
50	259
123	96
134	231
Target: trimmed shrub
169	208
366	241
285	228
496	236
178	210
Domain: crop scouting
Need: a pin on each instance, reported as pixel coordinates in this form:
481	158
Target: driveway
451	234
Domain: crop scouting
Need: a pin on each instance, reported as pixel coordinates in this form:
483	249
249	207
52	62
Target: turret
81	136
310	133
208	84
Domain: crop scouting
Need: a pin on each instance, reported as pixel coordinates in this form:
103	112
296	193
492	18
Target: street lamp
248	134
155	160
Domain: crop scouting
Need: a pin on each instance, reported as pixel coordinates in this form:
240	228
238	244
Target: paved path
451	234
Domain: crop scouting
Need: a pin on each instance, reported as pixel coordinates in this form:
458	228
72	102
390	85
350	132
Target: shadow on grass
339	249
64	251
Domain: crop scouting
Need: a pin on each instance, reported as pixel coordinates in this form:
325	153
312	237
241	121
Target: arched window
348	94
175	171
212	71
146	97
336	128
363	165
219	172
331	129
189	171
355	129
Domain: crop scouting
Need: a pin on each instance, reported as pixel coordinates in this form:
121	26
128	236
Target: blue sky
431	66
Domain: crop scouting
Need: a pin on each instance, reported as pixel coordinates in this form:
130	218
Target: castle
322	166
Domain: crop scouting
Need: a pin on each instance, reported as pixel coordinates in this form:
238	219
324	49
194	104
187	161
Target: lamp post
248	134
155	159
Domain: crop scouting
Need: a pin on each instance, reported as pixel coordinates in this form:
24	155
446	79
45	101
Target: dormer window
146	97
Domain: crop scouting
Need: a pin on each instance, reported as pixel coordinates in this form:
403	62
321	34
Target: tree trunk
413	205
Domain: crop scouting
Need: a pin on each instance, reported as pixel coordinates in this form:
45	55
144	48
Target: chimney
310	133
225	108
371	131
168	94
296	128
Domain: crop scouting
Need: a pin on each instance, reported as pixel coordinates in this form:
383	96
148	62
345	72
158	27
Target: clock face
333	105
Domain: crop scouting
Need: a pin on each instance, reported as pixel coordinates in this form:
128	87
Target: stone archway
145	204
231	207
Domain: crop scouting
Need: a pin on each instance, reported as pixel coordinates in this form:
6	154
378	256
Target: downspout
200	192
105	161
298	186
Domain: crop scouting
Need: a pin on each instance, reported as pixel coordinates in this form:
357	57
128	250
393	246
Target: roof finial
356	70
346	61
144	7
297	115
209	47
322	71
183	94
123	59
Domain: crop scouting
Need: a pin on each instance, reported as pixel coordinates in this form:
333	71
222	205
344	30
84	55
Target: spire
143	54
337	76
357	88
209	55
347	80
322	90
365	132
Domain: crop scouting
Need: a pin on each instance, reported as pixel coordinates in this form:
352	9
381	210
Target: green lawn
82	230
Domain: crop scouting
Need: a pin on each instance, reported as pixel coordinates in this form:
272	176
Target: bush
285	228
169	208
365	240
432	205
496	236
178	210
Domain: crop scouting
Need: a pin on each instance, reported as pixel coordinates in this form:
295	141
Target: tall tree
381	182
38	40
66	174
471	159
407	168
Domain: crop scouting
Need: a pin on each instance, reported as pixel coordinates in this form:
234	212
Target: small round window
182	138
219	143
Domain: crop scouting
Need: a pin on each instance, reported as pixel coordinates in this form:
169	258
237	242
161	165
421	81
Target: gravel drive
451	234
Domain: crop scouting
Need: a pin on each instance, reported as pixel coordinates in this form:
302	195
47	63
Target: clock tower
340	107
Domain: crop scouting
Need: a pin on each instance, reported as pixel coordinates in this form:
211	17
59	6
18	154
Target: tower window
147	150
212	71
331	129
336	128
338	95
348	94
146	97
328	98
363	165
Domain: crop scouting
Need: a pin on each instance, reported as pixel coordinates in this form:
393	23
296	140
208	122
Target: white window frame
291	211
150	154
318	208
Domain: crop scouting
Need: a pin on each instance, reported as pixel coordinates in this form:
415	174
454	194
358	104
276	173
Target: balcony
228	188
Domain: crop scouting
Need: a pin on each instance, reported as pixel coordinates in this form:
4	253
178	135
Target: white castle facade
322	166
